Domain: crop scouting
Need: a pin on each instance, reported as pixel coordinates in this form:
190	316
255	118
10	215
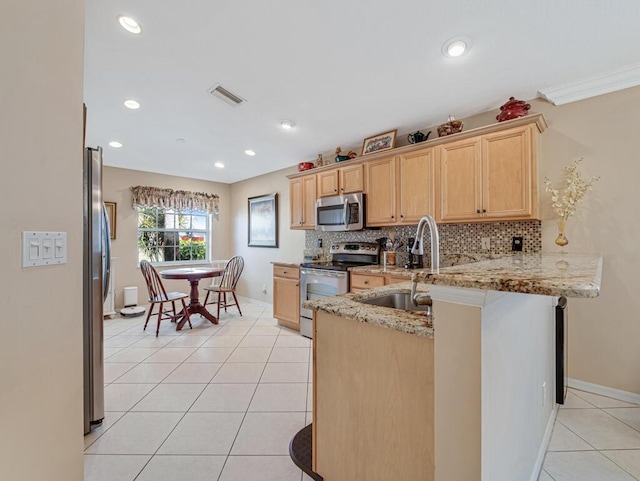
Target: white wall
604	333
41	46
257	267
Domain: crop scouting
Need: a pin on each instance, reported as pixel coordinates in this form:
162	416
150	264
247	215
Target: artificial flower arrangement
565	203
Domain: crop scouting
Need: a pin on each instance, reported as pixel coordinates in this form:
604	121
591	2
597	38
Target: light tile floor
595	438
220	403
212	403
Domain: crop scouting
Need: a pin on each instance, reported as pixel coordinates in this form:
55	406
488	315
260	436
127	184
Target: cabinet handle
297	284
366	282
284	272
342	189
402	216
392	217
478	211
335	190
484	211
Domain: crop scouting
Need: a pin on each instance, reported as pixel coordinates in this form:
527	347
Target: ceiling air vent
229	97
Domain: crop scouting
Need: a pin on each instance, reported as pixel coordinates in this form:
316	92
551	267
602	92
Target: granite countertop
569	275
292	263
348	305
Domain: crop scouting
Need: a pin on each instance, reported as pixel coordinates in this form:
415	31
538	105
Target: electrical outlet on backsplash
454	238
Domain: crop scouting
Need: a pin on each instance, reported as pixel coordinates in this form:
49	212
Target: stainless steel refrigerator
97	254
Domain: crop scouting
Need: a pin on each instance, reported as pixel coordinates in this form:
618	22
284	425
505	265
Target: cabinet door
328	183
286	301
416	193
381	192
460	181
295	203
508	190
351	179
309	202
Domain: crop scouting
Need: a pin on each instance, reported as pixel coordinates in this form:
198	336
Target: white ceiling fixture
219	165
287	124
115	144
180	140
226	95
456	47
593	86
129	24
250	153
132	104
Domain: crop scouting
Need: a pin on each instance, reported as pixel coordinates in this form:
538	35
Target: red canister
302	166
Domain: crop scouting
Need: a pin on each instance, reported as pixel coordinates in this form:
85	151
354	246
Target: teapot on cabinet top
418	137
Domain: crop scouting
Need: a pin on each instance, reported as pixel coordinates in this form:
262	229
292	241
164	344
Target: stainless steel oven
324	279
315	284
340	212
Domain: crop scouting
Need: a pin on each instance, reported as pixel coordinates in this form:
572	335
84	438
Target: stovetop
334	265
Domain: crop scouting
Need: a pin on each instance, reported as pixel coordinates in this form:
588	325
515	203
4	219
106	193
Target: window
171	236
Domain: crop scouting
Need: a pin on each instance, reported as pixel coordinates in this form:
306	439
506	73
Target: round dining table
193	275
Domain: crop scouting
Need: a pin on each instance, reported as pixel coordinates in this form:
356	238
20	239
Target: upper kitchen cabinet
302	201
490	177
416	186
380	187
400	190
344	180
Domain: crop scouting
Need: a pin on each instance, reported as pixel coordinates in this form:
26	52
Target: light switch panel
43	248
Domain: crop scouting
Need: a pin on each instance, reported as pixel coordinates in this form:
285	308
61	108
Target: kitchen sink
398	300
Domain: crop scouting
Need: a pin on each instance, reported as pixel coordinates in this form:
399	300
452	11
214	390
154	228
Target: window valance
174	199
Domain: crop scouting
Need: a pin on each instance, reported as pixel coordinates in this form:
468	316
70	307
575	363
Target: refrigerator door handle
106	236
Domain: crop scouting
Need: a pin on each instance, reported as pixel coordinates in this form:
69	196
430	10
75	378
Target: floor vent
224	94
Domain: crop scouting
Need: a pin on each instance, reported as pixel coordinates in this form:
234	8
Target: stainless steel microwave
340	212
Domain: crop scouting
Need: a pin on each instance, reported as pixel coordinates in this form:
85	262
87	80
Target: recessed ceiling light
287	124
132	104
180	140
455	47
115	144
129	24
219	165
250	152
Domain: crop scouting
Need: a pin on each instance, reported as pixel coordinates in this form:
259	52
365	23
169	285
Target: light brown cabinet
380	182
344	180
361	281
286	296
416	186
400	190
488	178
302	202
487	174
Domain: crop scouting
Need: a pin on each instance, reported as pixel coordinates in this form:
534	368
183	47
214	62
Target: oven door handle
345	213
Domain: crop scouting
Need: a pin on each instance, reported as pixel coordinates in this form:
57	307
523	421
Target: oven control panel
369	248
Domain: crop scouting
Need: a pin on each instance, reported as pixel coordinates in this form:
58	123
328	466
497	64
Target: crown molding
593	86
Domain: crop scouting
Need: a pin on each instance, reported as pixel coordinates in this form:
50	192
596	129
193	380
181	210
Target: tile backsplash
454	238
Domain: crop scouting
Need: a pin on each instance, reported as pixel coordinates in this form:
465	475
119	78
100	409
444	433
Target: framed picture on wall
111	208
263	221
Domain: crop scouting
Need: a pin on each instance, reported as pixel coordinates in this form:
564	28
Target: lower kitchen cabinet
362	281
286	296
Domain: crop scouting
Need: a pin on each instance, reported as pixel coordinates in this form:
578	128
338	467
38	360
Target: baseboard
618	394
254	301
544	445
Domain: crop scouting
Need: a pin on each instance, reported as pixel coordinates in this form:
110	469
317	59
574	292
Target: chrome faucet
418	249
418	245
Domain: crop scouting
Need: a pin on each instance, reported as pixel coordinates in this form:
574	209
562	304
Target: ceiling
342	70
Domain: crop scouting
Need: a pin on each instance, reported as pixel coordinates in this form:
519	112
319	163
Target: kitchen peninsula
464	395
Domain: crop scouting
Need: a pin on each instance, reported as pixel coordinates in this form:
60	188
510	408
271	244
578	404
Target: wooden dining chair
227	285
158	295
